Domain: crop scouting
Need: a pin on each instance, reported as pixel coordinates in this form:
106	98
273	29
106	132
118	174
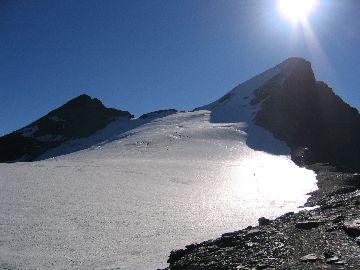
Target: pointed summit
287	101
307	114
83	100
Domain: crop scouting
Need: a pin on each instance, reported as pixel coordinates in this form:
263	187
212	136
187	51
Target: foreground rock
326	237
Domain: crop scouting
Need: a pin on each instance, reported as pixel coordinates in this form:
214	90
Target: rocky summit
307	114
80	117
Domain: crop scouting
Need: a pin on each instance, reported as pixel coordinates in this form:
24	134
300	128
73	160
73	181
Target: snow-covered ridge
241	94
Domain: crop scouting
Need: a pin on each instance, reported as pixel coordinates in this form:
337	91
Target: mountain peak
79	117
83	100
295	60
287	101
307	114
83	96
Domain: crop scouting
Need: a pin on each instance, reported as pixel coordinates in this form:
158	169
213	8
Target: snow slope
127	201
107	134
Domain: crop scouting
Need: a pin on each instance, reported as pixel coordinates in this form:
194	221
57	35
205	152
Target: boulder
309	258
352	228
264	221
307	225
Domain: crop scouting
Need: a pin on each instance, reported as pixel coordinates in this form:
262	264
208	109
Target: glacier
127	203
138	189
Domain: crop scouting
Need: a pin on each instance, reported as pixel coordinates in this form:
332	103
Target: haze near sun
297	10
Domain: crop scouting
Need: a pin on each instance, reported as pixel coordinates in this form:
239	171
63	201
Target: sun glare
297	10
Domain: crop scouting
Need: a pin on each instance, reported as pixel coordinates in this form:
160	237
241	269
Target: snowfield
126	202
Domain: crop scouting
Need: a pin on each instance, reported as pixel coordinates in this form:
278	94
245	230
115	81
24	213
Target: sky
146	55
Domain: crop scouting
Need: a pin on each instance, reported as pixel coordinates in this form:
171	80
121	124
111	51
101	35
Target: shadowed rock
307	114
264	221
307	225
352	228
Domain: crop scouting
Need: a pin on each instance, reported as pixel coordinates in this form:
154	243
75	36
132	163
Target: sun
297	10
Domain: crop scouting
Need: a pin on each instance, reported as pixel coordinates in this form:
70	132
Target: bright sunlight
297	10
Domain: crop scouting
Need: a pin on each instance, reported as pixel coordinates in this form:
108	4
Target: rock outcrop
158	113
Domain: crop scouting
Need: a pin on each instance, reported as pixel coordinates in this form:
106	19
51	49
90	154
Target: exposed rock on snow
159	113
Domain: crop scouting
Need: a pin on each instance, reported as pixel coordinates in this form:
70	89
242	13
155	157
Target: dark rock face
157	113
306	114
80	117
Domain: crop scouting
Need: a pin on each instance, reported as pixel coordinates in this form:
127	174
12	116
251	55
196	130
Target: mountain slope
306	114
80	117
105	135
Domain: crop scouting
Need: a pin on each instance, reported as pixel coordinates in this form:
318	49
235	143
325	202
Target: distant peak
83	96
84	99
84	104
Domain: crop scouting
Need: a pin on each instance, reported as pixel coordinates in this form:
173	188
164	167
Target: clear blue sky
145	55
